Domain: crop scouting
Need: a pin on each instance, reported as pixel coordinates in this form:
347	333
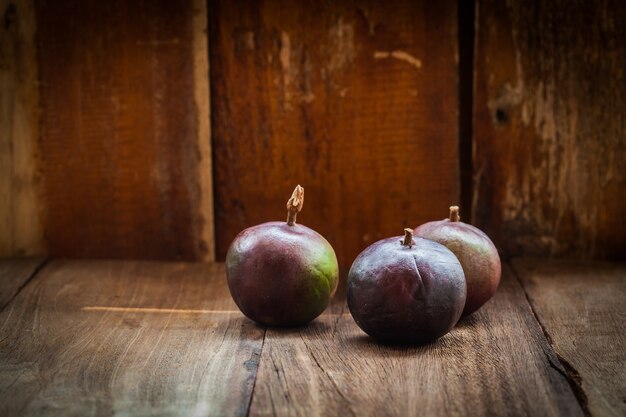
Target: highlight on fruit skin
406	290
282	273
476	252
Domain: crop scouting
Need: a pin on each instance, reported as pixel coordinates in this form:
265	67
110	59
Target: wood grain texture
581	306
14	274
203	105
20	195
497	362
355	101
549	138
124	140
104	338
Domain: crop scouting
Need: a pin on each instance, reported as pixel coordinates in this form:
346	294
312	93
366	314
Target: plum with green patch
282	273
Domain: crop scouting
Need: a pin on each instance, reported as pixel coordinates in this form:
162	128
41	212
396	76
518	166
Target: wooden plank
581	307
203	119
20	224
549	126
356	101
496	362
124	129
103	338
14	274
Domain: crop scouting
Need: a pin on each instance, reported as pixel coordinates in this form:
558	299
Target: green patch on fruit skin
325	271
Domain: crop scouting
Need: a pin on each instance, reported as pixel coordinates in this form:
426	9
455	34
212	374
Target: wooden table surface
80	338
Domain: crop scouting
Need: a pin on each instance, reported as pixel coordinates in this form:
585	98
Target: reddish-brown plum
476	252
406	290
282	273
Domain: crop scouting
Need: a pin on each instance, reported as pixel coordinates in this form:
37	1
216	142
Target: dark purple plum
406	290
282	273
476	252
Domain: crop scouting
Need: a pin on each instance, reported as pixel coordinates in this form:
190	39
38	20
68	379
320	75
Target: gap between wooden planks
15	274
93	346
580	306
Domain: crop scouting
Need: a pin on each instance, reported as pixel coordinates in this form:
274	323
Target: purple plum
282	273
406	290
476	252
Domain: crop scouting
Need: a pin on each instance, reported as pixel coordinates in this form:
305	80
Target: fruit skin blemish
406	290
476	252
282	273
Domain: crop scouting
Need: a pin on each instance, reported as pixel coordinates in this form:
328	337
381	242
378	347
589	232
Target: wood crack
25	283
336	322
332	381
566	370
256	373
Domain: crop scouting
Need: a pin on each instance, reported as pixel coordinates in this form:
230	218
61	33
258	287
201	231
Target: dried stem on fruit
294	205
408	237
454	214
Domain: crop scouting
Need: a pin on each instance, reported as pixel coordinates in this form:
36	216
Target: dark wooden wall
123	142
356	101
549	136
20	224
105	123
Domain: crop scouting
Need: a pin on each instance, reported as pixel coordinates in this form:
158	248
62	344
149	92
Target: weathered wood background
105	125
356	101
20	222
117	164
121	153
549	137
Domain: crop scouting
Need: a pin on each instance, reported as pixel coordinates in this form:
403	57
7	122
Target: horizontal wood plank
496	362
582	307
103	338
15	273
94	338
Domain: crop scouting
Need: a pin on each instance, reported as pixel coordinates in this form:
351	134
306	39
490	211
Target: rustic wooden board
202	97
549	148
20	225
355	101
497	362
582	308
14	274
125	146
103	338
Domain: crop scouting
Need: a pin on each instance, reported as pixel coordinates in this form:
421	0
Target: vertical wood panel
357	102
203	106
549	138
124	148
20	198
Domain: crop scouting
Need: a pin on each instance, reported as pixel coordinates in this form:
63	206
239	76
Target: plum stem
454	214
408	238
294	205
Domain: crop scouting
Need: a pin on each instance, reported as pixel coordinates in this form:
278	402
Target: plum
476	252
282	273
406	290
